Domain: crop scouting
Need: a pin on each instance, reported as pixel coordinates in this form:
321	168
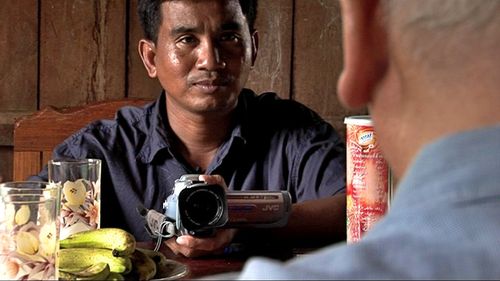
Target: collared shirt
444	223
275	144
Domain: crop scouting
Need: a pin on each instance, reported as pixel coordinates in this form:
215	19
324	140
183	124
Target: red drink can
367	176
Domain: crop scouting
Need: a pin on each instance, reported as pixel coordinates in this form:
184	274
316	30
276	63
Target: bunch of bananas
105	254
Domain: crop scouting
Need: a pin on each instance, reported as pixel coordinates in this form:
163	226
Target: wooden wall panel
82	51
18	71
272	68
318	59
140	85
18	55
73	52
5	163
7	119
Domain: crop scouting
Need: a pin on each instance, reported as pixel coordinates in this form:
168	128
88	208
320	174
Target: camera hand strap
157	225
166	227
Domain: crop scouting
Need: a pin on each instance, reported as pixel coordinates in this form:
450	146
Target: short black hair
150	15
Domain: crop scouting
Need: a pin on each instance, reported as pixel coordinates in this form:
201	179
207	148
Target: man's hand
192	247
213	179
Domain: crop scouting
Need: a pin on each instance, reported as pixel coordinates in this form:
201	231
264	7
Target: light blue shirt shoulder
444	222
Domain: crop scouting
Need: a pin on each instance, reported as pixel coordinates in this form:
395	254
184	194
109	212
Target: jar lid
360	120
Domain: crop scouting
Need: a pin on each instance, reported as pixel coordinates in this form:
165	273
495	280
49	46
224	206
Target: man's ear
147	51
255	45
365	51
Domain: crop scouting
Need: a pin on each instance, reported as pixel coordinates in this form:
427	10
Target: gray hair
432	30
436	14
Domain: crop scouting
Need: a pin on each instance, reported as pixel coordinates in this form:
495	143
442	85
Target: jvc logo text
271	208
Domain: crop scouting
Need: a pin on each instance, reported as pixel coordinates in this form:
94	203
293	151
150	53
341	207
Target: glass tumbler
80	183
29	230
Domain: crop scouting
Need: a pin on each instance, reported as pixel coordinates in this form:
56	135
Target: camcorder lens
203	207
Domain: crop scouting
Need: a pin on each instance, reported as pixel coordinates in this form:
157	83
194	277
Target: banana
63	275
157	257
75	258
121	242
143	267
97	271
163	266
113	276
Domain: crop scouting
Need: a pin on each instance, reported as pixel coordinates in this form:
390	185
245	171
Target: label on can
367	177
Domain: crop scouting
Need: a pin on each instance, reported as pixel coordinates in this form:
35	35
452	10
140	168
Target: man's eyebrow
231	26
191	29
182	29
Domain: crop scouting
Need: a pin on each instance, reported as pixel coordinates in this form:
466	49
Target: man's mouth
210	86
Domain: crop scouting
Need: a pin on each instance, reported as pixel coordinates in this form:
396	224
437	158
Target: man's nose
209	57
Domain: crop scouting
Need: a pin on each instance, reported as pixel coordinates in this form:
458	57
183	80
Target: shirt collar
159	133
455	168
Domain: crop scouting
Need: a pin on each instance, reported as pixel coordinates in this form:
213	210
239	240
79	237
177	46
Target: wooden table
200	267
206	266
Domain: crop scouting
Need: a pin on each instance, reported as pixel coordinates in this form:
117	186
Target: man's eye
187	40
230	37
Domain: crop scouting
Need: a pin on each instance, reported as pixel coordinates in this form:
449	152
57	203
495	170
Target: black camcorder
197	208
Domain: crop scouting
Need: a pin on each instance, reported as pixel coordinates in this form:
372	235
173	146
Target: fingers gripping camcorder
197	208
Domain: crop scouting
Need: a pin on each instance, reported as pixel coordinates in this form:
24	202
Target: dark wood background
73	52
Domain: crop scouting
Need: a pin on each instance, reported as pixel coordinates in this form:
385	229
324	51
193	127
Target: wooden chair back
36	135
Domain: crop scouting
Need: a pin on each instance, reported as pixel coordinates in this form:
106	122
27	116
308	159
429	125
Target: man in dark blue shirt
206	123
